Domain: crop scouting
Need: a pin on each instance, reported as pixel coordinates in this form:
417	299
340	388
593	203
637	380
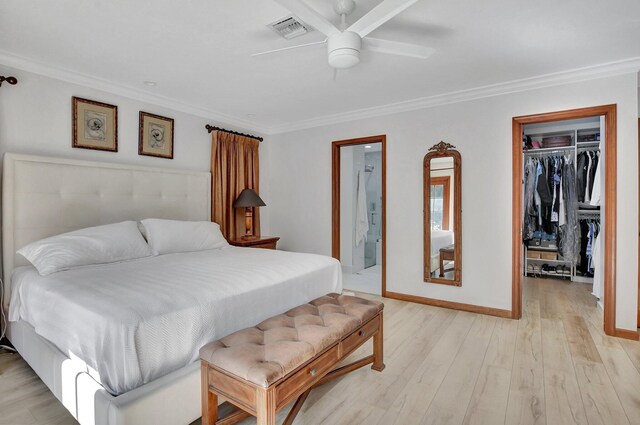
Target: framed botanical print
155	136
95	125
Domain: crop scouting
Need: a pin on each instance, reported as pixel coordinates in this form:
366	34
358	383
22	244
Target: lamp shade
248	198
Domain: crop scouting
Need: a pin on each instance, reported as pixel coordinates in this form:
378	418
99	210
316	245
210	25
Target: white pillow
94	245
167	236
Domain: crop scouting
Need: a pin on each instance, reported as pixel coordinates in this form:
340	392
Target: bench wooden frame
249	399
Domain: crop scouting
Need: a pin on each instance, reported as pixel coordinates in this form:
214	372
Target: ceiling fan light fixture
344	58
344	43
344	49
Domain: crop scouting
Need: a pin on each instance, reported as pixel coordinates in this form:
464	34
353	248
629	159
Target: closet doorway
359	212
553	152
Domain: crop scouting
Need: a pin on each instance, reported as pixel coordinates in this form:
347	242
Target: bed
127	373
439	240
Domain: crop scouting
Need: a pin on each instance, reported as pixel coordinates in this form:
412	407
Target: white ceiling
199	51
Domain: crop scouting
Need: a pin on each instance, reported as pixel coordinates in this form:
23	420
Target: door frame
610	208
335	197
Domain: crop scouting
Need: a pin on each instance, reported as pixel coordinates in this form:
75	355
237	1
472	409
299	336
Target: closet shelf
542	248
560	148
548	261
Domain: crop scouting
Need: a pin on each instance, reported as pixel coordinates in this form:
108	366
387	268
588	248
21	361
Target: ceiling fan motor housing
344	49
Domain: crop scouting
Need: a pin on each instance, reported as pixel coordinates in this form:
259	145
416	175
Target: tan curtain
234	167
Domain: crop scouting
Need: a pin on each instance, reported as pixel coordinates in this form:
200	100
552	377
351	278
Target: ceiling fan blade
309	16
379	15
299	46
397	48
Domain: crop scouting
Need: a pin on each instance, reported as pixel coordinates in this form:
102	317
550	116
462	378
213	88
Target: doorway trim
610	208
335	197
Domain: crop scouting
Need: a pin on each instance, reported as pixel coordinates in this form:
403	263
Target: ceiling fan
344	45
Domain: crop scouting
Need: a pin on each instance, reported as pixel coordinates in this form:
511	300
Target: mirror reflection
443	215
441	208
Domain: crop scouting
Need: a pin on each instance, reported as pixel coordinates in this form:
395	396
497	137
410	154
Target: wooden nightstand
266	242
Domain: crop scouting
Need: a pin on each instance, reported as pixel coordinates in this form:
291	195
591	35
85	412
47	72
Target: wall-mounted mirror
443	215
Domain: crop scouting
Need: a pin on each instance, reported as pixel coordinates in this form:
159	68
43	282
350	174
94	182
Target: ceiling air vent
290	27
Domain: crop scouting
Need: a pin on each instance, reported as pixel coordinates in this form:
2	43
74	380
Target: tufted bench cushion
269	351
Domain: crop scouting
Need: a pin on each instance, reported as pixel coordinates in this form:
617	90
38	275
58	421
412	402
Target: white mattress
135	321
440	239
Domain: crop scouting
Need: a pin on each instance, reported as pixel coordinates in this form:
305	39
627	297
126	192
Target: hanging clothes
589	231
589	177
550	205
588	183
557	189
543	184
545	189
536	195
597	183
530	215
581	176
568	237
583	261
561	208
555	182
590	237
593	170
538	207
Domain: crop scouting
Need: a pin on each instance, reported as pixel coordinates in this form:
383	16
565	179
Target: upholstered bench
260	370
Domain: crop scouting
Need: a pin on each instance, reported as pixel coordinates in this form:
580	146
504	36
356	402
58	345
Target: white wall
35	118
298	184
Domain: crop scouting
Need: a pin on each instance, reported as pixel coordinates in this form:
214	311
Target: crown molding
85	80
610	69
604	70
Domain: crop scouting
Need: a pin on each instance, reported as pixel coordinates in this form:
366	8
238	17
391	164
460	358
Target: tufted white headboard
44	196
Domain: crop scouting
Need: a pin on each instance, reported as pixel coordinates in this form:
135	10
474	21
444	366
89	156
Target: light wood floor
555	366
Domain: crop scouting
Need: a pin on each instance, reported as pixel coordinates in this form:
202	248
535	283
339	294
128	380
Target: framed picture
156	136
95	125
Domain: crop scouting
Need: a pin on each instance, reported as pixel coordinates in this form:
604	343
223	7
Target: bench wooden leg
296	408
236	415
266	406
378	347
209	400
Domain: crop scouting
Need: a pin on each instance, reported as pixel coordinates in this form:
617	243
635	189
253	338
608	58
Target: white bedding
135	321
440	239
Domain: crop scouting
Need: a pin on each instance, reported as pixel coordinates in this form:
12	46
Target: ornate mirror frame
441	150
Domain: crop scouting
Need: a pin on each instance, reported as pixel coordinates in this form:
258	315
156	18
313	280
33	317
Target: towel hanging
362	219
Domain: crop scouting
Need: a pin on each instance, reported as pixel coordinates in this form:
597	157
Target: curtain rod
11	80
211	128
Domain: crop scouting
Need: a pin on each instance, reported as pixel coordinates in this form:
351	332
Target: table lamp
248	199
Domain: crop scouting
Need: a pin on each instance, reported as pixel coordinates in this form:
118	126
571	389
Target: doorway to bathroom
358	218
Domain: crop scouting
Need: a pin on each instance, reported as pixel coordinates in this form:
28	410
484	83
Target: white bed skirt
173	399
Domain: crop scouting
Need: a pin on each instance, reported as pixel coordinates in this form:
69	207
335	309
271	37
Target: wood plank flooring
553	367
